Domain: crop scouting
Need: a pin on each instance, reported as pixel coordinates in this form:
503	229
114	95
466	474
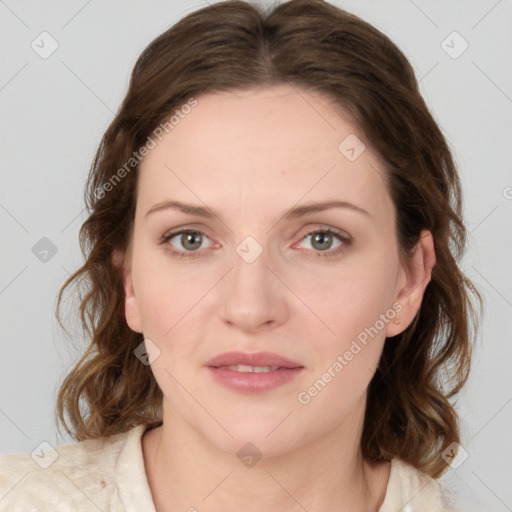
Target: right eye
187	243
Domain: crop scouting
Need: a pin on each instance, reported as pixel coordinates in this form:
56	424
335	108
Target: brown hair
312	44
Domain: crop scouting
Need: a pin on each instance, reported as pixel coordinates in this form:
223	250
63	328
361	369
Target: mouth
244	368
252	373
245	361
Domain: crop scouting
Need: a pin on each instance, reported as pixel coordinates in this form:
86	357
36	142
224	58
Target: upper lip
252	359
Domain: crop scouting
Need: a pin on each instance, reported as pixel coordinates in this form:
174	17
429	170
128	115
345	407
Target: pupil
189	237
322	238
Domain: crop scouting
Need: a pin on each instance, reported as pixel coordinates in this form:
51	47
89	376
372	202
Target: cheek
164	291
346	361
351	299
169	311
363	301
170	297
356	306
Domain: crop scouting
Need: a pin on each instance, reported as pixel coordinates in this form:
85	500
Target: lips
253	373
256	359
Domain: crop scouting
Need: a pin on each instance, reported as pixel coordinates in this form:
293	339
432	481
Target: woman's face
253	276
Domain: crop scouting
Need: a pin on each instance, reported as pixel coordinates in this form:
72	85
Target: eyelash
345	241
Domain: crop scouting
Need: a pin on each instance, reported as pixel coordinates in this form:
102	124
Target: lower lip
253	382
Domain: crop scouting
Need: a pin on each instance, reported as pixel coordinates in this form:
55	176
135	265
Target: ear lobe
131	308
418	273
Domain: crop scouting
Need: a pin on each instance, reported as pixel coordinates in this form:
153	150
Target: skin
250	156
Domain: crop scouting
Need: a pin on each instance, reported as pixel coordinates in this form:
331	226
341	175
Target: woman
276	312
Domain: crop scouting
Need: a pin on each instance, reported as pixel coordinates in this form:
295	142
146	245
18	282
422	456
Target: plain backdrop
55	108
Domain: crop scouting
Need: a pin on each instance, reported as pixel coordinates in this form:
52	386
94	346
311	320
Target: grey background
54	111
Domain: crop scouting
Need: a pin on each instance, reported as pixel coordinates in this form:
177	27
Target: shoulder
410	490
56	478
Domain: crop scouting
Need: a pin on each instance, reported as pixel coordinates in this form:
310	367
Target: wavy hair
314	45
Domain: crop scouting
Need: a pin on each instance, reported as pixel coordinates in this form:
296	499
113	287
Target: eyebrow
294	213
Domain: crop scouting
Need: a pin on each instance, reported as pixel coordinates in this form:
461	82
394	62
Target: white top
108	474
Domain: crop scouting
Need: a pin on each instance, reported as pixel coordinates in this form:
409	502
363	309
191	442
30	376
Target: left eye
322	239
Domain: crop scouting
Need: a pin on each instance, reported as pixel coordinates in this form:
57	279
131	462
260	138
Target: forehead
279	141
283	120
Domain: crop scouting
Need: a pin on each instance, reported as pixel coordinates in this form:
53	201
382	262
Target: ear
417	272
131	308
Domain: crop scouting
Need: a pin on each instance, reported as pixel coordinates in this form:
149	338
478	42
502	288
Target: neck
186	472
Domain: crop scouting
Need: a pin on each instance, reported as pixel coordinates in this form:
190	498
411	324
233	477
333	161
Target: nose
252	297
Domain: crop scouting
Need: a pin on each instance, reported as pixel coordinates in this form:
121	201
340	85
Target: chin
267	436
